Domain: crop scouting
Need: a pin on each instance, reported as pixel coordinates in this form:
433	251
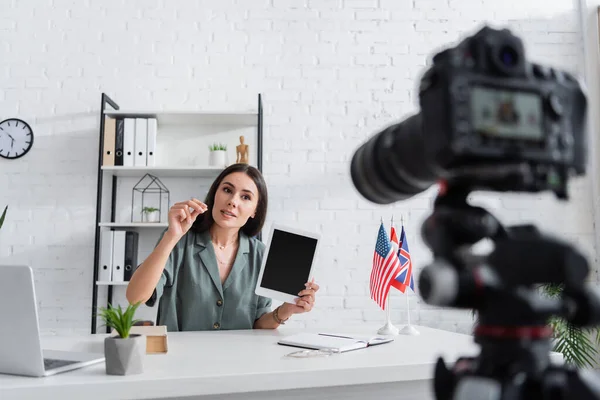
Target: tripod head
503	288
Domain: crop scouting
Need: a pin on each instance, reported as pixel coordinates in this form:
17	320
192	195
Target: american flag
405	277
386	267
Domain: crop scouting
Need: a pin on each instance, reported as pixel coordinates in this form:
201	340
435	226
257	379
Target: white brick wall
332	73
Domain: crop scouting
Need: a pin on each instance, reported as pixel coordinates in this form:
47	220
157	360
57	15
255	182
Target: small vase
151	216
217	158
125	356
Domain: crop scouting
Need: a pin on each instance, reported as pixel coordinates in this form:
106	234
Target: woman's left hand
306	300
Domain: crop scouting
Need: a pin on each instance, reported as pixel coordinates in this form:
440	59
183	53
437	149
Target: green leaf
572	342
3	216
119	320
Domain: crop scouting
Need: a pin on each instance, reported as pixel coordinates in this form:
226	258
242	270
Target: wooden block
156	338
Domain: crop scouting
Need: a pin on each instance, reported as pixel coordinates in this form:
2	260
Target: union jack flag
405	277
386	267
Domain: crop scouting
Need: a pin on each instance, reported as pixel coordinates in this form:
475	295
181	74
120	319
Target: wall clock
16	138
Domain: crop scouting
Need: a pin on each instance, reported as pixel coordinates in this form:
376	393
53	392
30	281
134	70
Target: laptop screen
288	263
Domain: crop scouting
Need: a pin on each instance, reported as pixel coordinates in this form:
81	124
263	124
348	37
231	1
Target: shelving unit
175	128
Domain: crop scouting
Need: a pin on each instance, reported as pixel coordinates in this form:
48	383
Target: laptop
21	352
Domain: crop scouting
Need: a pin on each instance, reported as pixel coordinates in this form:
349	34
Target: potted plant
125	352
150	214
579	346
218	155
3	216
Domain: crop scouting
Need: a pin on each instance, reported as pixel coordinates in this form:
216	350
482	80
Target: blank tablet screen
288	263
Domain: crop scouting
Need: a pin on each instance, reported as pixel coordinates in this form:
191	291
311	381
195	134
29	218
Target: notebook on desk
331	341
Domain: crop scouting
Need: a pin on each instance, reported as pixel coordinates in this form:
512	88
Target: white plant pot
151	216
217	158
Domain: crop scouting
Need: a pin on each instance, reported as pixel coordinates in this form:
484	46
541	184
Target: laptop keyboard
50	363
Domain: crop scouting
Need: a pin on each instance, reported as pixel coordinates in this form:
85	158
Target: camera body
483	104
488	117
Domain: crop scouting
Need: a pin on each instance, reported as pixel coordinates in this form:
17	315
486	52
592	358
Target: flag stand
408	329
388	328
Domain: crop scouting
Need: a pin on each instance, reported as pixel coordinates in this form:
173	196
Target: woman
205	266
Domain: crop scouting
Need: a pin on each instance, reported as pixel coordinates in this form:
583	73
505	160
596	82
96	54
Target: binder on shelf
128	142
131	251
151	144
106	250
118	274
108	158
141	140
119	142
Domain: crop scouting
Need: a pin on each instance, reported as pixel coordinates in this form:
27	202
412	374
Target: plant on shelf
124	352
217	147
3	216
574	343
218	155
151	214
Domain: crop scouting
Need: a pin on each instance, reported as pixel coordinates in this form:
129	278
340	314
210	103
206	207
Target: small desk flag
386	266
405	277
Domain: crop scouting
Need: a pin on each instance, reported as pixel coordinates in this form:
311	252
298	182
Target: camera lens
393	165
508	56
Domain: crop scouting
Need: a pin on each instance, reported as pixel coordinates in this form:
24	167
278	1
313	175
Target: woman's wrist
170	239
283	312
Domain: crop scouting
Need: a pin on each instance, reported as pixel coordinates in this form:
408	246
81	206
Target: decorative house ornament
150	200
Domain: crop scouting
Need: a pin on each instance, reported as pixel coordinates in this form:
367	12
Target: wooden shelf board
194	172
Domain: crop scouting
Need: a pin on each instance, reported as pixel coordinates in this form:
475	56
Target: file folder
141	139
119	141
131	251
106	250
128	142
118	274
108	158
151	145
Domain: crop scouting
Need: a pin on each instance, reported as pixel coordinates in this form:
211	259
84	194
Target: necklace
222	247
223	262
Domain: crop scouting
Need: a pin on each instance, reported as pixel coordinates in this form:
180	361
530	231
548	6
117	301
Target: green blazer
190	295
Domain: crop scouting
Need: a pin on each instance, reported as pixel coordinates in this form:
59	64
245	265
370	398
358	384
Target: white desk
250	365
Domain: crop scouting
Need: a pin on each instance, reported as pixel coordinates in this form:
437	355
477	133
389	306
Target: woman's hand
304	303
181	218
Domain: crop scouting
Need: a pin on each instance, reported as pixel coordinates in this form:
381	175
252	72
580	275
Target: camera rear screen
288	263
506	114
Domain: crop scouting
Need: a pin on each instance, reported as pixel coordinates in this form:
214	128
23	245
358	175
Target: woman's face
235	200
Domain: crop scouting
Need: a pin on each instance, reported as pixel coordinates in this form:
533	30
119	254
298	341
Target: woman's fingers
197	208
182	215
312	285
304	304
306	292
202	207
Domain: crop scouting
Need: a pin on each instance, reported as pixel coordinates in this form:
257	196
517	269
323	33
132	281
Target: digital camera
487	117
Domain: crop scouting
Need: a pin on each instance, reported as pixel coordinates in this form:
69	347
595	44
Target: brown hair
254	225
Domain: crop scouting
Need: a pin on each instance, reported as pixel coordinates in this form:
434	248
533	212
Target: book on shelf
129	142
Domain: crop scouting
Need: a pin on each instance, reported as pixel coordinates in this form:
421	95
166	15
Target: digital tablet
287	264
